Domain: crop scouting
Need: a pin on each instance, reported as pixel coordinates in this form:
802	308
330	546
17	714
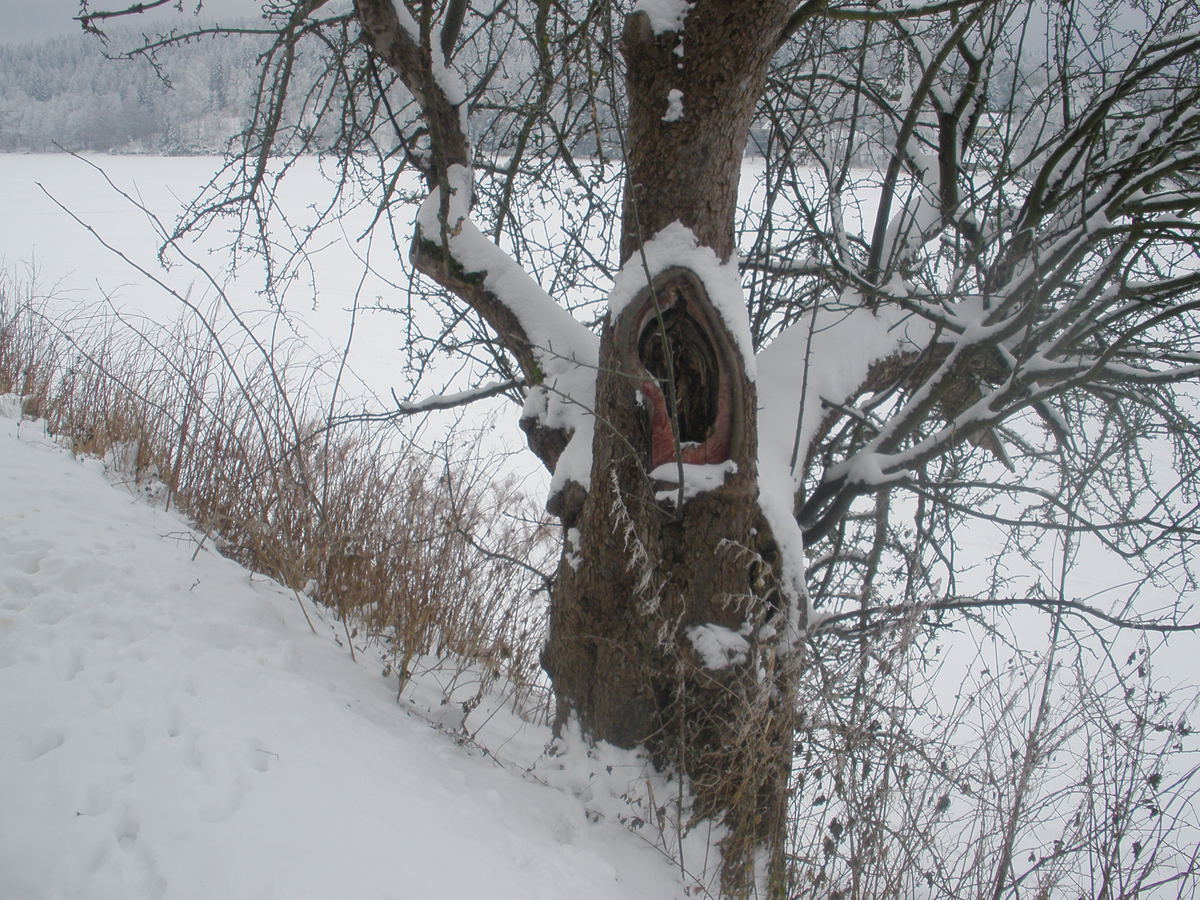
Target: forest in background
65	93
82	94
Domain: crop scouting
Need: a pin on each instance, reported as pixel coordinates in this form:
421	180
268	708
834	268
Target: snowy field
173	729
333	306
41	243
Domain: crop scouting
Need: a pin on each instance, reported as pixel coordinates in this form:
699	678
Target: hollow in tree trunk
666	625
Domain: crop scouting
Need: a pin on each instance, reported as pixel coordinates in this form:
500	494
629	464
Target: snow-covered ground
171	727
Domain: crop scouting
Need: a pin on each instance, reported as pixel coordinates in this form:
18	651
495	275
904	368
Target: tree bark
688	170
651	579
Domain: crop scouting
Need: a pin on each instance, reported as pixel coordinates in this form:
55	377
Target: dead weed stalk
418	549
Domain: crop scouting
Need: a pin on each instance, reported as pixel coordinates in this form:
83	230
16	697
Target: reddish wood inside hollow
662	437
716	445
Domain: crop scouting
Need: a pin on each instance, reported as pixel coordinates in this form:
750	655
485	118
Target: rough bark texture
622	648
688	170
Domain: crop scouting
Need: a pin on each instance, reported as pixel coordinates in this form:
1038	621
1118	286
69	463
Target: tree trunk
664	621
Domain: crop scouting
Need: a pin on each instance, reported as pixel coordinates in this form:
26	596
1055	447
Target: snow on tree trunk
667	613
664	620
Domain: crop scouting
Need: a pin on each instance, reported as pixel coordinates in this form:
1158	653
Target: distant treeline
65	93
196	97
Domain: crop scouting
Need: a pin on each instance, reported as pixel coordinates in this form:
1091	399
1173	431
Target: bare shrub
1061	770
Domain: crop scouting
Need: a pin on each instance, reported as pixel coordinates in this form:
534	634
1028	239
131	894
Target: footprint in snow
39	745
127	829
69	661
28	561
224	778
85	575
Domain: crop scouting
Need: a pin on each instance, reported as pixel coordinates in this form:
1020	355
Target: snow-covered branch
556	354
1065	270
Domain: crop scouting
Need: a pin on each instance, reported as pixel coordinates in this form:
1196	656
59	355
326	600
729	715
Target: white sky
32	20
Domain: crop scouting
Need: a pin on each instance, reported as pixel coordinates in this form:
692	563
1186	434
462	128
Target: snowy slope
170	727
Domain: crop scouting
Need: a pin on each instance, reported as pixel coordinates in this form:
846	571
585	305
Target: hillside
173	728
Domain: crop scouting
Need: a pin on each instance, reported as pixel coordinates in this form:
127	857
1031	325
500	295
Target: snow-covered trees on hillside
62	93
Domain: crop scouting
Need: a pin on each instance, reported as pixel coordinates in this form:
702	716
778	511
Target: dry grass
419	549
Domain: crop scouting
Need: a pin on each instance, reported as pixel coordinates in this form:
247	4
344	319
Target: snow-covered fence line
416	548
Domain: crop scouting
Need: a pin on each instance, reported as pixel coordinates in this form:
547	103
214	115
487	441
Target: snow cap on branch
665	15
823	358
566	353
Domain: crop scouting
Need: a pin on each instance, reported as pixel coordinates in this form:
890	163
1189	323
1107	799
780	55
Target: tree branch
1072	607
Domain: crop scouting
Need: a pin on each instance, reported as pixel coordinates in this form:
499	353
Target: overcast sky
32	20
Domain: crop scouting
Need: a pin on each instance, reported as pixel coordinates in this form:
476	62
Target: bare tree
963	288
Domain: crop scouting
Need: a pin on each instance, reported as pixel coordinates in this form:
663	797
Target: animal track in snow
41	744
127	829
